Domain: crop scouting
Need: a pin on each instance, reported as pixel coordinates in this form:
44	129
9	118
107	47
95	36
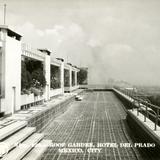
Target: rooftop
45	50
10	32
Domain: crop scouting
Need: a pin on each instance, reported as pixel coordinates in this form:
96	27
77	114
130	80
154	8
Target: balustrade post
156	120
138	108
145	115
47	74
157	115
155	124
132	105
70	76
62	76
76	78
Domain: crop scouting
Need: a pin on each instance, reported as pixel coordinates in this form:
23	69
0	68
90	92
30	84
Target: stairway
19	142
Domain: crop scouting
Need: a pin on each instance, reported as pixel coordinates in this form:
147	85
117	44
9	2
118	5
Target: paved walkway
98	118
14	130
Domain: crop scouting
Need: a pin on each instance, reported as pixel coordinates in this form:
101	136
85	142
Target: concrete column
70	76
62	76
76	78
47	69
11	71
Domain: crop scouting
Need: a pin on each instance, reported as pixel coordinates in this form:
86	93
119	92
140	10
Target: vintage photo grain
79	79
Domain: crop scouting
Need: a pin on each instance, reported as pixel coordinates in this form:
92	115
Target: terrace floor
98	118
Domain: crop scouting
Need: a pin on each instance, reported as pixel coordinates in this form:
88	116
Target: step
20	151
6	122
37	152
11	128
15	139
16	118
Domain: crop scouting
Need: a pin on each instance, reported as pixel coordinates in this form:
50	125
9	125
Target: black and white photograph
79	79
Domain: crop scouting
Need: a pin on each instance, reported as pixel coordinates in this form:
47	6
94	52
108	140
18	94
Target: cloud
64	40
93	43
40	33
117	39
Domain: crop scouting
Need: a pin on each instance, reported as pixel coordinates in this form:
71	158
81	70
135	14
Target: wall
74	88
55	92
62	76
143	134
30	99
140	132
43	118
128	104
27	99
12	76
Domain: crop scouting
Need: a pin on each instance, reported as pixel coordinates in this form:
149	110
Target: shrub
38	78
66	78
32	76
36	91
82	76
55	77
26	79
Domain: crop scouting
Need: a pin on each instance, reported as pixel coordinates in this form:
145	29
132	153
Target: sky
117	39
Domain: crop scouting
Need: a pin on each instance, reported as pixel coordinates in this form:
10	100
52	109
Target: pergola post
70	76
75	78
47	76
47	69
62	76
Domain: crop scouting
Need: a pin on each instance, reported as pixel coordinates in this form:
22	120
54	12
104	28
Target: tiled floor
98	118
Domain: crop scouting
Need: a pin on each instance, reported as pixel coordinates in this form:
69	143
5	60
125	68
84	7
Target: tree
26	79
38	78
32	76
55	77
82	76
66	78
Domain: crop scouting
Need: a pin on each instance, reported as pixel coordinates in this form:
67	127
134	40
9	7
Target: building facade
12	52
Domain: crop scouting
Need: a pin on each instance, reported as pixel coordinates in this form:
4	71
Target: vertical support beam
47	69
70	76
13	107
11	71
76	78
62	76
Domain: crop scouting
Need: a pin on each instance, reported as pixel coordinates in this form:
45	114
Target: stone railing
32	52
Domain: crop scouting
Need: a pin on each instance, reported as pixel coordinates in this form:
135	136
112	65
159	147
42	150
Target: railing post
157	115
132	105
138	108
145	115
155	124
156	119
147	112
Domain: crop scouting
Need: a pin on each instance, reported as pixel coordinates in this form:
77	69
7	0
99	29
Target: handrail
143	104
